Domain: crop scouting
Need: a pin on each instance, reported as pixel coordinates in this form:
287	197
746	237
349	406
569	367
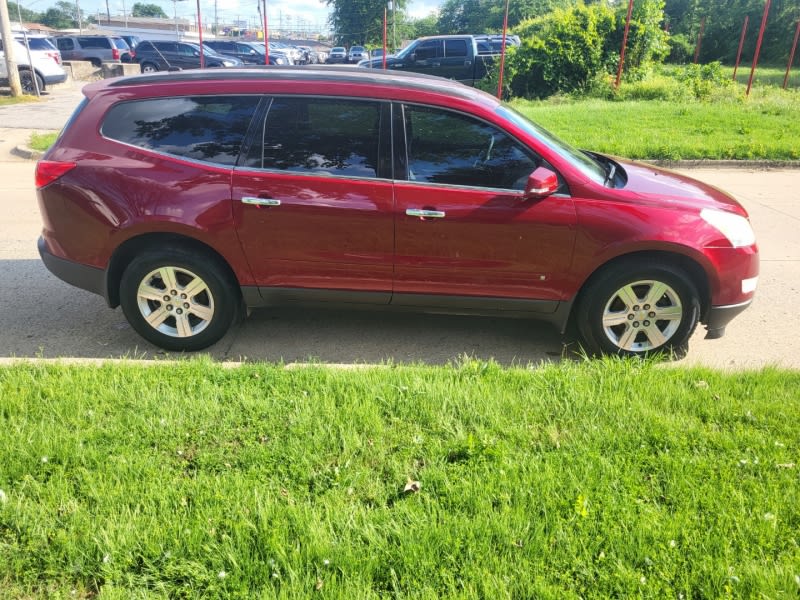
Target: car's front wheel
638	308
179	300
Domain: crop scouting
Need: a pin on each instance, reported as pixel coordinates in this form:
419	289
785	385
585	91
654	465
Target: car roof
309	73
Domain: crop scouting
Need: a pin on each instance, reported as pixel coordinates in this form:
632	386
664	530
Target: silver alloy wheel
175	302
642	316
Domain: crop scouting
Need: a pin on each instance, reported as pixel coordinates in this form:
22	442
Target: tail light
47	171
55	56
115	53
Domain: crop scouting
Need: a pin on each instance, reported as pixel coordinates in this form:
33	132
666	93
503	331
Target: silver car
357	53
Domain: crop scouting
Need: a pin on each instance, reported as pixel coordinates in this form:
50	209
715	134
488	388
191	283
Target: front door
313	203
464	229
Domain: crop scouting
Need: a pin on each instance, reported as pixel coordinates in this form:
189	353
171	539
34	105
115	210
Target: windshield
121	44
576	158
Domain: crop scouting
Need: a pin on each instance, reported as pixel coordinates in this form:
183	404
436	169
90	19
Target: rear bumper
53	79
85	277
719	316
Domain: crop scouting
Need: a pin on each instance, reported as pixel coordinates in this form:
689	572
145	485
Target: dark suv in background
160	55
97	49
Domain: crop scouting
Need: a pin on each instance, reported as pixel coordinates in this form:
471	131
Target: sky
292	14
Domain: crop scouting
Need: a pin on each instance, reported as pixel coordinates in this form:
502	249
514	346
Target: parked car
43	69
161	55
97	49
318	187
460	57
132	41
337	54
247	52
357	53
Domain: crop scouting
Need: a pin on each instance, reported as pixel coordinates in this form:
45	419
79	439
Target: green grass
767	126
595	480
42	141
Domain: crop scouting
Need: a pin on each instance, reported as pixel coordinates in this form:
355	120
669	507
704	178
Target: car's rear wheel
149	67
637	308
29	81
179	300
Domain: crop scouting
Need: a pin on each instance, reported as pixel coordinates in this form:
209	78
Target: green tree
424	26
64	15
360	22
486	16
148	10
16	11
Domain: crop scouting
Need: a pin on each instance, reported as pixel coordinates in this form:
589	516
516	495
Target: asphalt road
40	316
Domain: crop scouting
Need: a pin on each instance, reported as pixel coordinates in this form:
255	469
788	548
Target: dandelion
163	422
222	574
45	459
106	558
769	516
643	580
673	543
3	497
326	562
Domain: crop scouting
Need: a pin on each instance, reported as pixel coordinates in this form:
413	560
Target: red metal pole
384	37
699	40
502	56
624	43
741	45
200	32
791	55
758	46
266	36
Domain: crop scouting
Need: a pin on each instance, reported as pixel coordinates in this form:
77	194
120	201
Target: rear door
313	201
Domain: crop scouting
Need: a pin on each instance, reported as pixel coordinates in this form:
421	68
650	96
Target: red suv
189	197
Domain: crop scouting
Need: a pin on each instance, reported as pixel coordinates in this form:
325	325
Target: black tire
27	79
620	308
148	67
96	62
190	297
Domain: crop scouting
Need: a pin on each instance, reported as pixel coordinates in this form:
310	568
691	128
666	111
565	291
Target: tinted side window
455	48
455	149
201	128
89	42
314	135
429	49
65	44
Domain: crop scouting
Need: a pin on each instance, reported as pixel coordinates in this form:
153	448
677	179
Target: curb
25	152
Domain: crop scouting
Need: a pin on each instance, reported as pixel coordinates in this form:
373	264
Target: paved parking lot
42	316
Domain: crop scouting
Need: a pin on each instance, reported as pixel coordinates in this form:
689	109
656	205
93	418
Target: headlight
228	63
734	227
279	60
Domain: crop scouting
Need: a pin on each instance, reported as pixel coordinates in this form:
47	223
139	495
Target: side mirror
413	57
541	184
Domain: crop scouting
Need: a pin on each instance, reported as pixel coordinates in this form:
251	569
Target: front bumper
719	316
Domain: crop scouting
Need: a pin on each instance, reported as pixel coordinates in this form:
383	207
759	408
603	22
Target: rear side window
320	136
455	48
65	44
205	128
89	42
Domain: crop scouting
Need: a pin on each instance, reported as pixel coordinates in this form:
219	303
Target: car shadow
43	317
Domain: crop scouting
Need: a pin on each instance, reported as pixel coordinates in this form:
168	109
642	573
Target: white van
46	58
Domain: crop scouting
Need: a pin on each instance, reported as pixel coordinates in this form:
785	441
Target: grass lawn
595	480
763	127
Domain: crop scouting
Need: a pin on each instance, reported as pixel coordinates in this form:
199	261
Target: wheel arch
693	269
132	247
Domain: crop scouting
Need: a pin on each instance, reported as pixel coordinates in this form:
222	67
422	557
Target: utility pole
11	63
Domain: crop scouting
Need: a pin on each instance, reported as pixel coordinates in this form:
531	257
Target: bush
681	49
705	82
562	51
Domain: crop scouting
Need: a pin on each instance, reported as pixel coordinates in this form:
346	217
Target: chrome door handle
261	201
425	214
